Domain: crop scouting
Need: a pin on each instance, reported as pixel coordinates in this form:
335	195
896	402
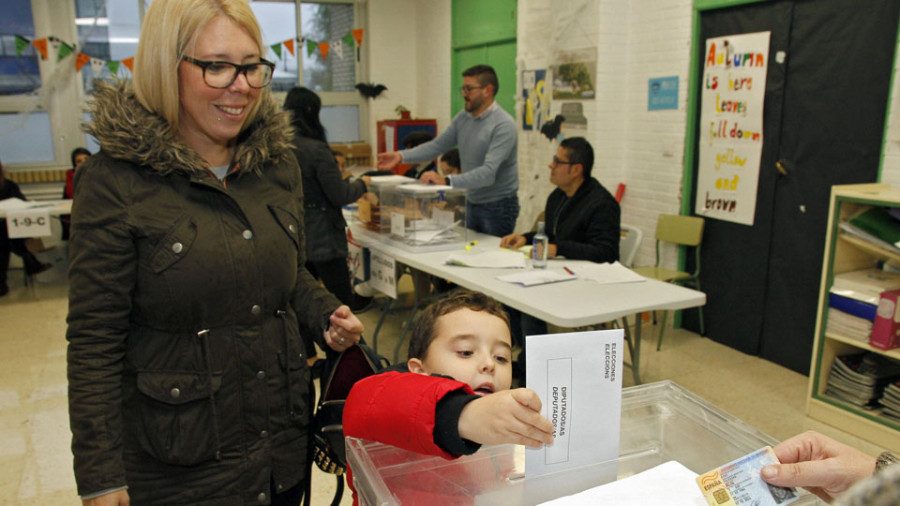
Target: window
332	76
19	72
108	32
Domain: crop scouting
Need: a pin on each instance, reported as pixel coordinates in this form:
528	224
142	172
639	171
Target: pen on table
568	270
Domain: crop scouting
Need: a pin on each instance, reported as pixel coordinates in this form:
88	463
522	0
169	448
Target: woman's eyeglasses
221	74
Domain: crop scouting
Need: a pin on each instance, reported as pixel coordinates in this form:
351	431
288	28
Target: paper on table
537	277
578	377
670	483
14	203
607	273
394	179
425	188
497	259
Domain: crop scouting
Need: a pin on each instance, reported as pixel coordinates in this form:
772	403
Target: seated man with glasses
487	140
581	220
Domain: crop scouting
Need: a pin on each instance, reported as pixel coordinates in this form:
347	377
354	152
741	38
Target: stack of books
891	401
853	301
860	379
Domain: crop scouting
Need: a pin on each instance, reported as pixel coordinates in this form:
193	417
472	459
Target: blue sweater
487	152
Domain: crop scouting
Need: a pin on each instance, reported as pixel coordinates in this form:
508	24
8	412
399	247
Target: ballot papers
578	377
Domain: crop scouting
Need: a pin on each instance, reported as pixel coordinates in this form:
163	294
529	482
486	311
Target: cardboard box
886	329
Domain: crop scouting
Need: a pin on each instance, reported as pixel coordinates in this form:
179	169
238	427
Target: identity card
739	482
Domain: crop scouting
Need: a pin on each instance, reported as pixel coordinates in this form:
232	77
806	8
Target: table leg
384	312
418	277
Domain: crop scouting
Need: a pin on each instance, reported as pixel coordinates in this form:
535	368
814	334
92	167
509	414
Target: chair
683	231
629	243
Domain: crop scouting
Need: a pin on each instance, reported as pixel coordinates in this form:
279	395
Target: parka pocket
178	416
290	223
174	245
296	372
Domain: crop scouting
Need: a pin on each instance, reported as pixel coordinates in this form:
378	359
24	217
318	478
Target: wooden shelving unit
845	253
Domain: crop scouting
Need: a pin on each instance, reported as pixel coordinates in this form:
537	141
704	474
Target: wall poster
537	99
733	90
574	74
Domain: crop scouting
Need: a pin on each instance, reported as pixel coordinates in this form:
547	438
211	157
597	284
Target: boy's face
472	347
446	169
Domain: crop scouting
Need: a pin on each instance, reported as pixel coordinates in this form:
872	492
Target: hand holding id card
739	482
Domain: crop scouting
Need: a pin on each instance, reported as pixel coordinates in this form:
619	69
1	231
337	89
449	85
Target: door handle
780	166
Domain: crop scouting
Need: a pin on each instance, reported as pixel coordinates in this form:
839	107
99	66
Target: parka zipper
280	313
203	336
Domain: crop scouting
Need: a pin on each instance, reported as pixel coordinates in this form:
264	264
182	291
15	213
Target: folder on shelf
886	329
865	285
879	222
853	306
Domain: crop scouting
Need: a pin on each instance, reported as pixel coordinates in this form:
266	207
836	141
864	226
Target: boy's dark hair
423	331
580	151
485	75
416	138
452	158
79	151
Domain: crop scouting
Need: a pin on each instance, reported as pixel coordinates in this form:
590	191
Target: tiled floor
36	464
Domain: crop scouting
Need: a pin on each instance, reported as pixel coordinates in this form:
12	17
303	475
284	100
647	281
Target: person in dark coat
188	380
582	223
412	140
324	193
79	156
9	189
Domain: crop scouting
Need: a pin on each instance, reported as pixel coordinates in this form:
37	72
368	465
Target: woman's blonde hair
169	30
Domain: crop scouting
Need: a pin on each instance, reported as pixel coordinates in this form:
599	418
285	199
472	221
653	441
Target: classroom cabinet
391	133
845	253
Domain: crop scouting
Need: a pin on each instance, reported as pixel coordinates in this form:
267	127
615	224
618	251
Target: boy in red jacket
455	396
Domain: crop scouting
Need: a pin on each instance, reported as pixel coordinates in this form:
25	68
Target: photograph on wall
537	98
732	91
574	75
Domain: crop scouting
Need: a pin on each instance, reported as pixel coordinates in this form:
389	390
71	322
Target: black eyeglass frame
556	161
465	90
238	70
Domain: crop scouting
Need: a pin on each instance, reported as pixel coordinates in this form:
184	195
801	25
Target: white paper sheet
536	277
606	273
497	259
425	188
578	377
13	204
671	484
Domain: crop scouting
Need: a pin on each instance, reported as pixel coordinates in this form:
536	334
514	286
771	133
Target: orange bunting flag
41	45
357	36
289	44
129	63
323	48
80	61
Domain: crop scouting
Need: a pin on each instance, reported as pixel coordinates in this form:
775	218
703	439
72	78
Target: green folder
878	222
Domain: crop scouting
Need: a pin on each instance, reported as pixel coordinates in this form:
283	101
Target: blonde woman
188	381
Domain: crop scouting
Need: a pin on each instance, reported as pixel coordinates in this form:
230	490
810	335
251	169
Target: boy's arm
446	426
509	416
400	409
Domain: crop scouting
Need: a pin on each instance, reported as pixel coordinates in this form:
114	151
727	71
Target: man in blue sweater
487	140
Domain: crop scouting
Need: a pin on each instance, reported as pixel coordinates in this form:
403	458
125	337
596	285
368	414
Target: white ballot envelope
578	377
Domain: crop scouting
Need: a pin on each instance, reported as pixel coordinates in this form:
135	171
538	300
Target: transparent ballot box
660	422
368	207
421	217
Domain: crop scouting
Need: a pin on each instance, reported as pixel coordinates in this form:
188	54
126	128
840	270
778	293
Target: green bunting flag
21	44
348	39
113	66
311	46
64	50
277	49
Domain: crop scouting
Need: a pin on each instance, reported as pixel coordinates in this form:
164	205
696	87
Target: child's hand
509	416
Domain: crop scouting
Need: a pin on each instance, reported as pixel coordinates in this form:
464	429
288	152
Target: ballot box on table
660	422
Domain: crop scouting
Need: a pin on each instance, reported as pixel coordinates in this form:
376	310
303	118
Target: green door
485	33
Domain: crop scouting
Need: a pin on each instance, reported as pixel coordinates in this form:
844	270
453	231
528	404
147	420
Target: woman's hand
345	329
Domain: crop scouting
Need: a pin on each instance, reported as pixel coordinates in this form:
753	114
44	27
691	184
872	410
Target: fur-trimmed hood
128	131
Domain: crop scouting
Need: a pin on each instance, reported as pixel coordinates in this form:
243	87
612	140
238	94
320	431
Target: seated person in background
8	190
412	140
453	395
79	155
833	470
582	223
450	163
